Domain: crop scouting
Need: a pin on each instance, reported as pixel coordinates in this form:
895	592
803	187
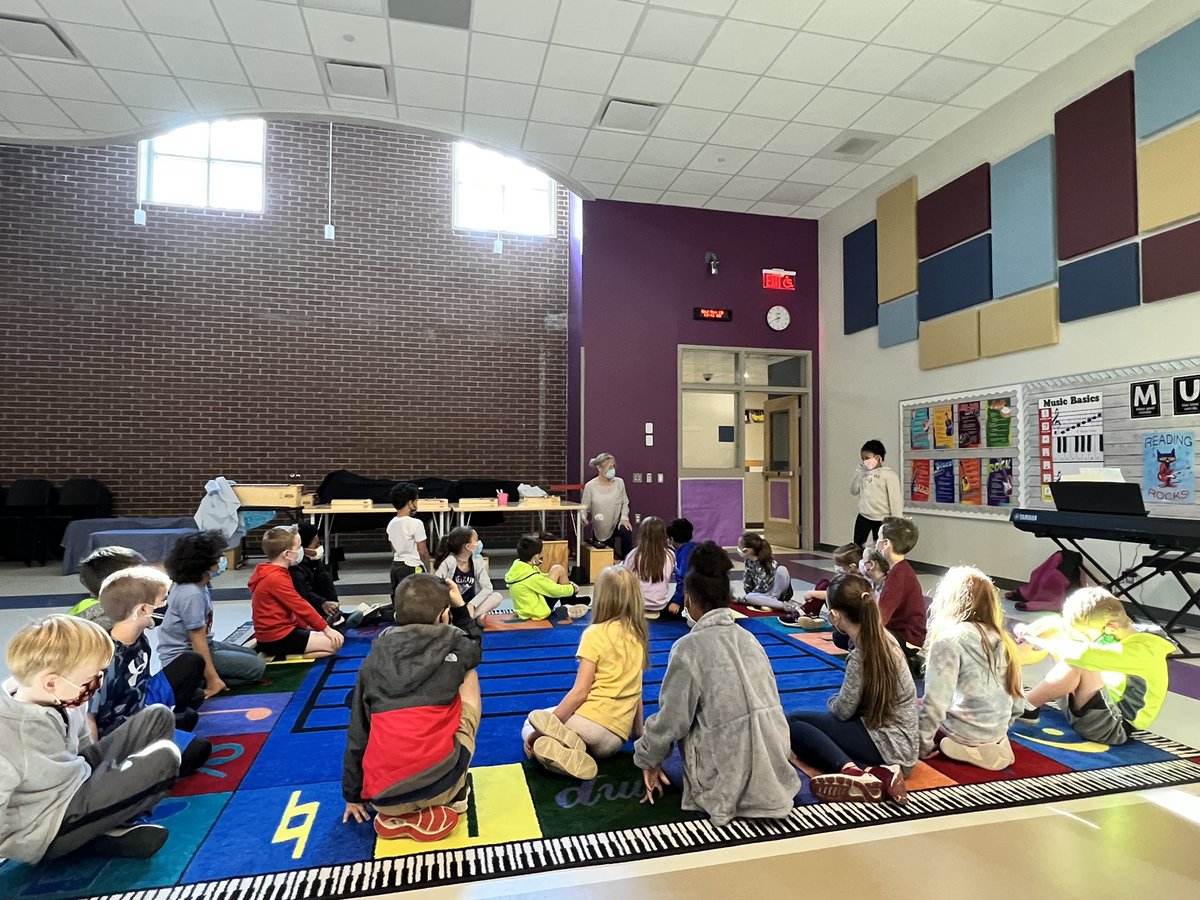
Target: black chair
78	498
28	501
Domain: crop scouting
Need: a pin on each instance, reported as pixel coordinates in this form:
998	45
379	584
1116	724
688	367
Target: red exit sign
779	280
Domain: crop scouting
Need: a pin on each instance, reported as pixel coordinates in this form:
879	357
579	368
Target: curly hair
193	555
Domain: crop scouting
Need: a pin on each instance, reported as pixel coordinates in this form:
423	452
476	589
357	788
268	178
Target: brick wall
247	345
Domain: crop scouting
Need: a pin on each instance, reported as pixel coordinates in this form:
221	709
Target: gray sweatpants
132	769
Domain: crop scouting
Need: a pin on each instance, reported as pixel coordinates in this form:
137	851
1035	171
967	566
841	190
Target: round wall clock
778	318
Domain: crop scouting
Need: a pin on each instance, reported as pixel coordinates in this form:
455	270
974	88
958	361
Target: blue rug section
1052	737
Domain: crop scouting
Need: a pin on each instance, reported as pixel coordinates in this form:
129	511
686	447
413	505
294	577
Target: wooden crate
478	503
541	503
554	553
285	496
350	504
433	504
233	558
596	560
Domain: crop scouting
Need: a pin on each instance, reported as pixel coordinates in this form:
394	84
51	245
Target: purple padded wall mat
955	212
714	507
1171	263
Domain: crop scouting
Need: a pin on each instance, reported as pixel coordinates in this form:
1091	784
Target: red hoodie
275	607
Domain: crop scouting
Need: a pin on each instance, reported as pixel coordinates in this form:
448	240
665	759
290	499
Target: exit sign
779	280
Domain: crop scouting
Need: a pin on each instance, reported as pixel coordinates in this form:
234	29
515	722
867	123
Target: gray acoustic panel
451	13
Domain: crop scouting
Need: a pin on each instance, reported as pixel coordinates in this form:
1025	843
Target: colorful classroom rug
262	821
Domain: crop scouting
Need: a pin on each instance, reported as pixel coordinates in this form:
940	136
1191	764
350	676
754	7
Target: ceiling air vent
353	80
629	115
855	146
26	37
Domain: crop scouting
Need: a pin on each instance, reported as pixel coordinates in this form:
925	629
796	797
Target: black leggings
864	527
185	674
621	542
828	743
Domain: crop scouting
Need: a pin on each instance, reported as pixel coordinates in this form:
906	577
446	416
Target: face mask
478	551
611	473
743	552
156	617
86	691
318	554
299	557
871	463
222	565
687	615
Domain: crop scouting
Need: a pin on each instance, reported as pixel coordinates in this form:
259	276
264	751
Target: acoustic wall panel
1024	254
1168	90
898	322
1169	178
1171	264
955	212
860	285
1019	323
949	340
896	212
1099	284
958	278
1095	169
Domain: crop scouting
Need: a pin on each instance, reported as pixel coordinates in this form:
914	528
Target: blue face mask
478	551
611	474
222	565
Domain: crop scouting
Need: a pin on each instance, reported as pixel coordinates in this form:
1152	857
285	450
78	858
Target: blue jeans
236	664
828	743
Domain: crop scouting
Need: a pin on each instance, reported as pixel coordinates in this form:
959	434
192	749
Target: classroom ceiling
779	107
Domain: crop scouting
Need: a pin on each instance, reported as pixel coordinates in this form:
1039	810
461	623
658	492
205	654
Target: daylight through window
493	192
216	165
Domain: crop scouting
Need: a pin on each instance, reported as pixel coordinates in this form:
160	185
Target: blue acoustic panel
1024	254
959	278
1099	284
1165	87
860	282
898	322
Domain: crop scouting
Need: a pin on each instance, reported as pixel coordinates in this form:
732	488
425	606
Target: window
495	193
217	165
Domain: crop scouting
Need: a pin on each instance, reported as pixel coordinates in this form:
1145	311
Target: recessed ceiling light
855	146
27	37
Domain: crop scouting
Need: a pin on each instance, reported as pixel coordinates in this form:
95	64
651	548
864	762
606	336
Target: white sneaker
994	756
577	610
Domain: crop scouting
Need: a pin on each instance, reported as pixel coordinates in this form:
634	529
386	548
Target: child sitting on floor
93	569
59	789
1114	677
766	582
604	707
845	559
867	740
874	567
278	612
652	561
680	532
311	577
902	601
463	562
534	592
973	688
414	715
719	701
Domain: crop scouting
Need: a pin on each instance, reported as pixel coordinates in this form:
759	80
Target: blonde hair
1094	607
966	595
279	540
618	597
598	459
125	590
58	644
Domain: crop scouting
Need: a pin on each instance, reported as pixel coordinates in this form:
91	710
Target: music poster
999	481
943	426
1070	436
969	434
1169	467
918	429
970	482
999	422
919	488
943	480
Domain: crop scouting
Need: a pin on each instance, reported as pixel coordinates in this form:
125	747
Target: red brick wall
247	345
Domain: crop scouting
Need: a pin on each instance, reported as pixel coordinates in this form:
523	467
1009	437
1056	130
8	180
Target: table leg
578	532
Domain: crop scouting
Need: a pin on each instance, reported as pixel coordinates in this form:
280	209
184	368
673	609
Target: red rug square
231	758
1028	764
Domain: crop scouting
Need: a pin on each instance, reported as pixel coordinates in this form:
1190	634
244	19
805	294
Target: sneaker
577	611
461	800
139	841
548	725
892	780
1031	716
187	720
425	825
812	623
994	757
559	758
849	785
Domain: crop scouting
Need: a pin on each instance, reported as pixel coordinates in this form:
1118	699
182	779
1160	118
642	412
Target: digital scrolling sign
709	314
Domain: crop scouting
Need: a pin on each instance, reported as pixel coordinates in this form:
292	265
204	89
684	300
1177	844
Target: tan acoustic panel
950	340
1169	178
1019	323
896	214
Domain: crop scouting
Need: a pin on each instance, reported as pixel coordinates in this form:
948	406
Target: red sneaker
426	825
892	780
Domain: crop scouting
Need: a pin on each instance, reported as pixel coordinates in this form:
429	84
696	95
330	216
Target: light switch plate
637	477
660	477
649	440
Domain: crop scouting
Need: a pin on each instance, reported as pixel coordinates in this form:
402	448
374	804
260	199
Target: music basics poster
1070	436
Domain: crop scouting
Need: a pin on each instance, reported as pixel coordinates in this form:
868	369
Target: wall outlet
637	477
660	477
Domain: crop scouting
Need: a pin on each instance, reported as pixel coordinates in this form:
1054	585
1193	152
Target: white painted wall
861	384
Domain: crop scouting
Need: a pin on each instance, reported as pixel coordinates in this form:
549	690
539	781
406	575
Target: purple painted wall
643	272
574	339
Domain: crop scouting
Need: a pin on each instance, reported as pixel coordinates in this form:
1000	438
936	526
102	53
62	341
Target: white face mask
611	473
298	558
318	554
871	463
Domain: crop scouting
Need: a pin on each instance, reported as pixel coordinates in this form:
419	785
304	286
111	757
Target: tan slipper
548	725
558	758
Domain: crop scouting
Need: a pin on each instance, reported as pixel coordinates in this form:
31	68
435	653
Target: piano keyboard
437	867
1083	447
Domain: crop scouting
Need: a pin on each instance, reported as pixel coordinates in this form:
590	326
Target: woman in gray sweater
608	506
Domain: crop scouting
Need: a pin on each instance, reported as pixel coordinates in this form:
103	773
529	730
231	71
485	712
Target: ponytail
851	595
453	542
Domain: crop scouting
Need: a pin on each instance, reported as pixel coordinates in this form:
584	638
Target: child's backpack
1050	583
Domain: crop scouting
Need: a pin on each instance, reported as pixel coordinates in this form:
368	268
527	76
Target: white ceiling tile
714	89
40	131
210	96
815	58
596	24
579	70
942	121
281	71
687	123
1054	7
748	132
879	69
15	81
256	23
800	139
181	18
556	165
533	21
744	46
999	34
292	101
773	209
667	152
108	48
494	130
647	80
670	35
1109	12
1061	41
894	115
714	158
441	120
346	37
202	60
636	194
742	187
499	98
929	25
66	80
542	137
710	7
23	8
994	87
429	90
600	191
565	107
808	212
836	107
152	91
32	109
692	182
379	110
775	98
430	47
162	119
505	58
785	13
642	175
94	12
612	144
864	176
605	170
103	118
832	197
772	165
849	20
899	151
728	204
941	79
681	198
823	171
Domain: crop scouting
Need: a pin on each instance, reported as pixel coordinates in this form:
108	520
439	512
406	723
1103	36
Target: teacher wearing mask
877	488
608	506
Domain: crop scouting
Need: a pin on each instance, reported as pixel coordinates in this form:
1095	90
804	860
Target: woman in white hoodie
878	491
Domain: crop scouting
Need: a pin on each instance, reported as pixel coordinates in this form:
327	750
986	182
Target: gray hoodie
40	771
719	694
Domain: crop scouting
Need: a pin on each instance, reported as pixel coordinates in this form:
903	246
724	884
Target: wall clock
778	318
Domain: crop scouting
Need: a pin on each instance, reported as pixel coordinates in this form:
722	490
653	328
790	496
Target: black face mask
87	691
157	616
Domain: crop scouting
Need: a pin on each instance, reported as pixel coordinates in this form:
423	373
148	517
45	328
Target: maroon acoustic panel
951	214
1171	263
1095	159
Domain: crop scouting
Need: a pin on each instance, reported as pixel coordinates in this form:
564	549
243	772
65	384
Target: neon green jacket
1134	671
530	587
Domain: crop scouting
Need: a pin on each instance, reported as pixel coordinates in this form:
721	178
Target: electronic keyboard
1159	532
